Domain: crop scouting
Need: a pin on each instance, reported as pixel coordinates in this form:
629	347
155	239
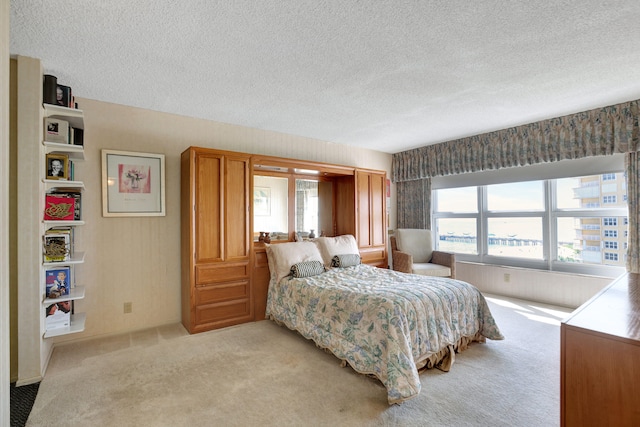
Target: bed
381	322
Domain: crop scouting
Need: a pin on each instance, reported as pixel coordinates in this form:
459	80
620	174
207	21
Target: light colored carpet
263	374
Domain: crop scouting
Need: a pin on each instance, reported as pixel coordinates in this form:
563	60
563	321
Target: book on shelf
56	247
59	207
76	136
57	282
58	315
56	130
77	209
66	230
76	195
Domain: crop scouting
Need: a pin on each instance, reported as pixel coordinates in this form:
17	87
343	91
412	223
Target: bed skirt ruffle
442	360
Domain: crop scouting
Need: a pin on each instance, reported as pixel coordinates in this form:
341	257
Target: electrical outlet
128	307
507	277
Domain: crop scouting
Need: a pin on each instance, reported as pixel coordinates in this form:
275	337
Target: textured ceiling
388	75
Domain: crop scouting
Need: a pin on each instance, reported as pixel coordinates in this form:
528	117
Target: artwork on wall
133	184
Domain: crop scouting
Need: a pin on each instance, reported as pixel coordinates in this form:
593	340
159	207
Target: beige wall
138	259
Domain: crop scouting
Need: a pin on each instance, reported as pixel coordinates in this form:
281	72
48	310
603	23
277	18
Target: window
610	245
609	256
563	224
458	235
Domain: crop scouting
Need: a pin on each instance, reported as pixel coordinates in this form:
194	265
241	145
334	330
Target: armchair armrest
445	258
402	261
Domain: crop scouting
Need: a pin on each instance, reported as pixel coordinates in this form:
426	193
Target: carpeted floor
262	374
22	399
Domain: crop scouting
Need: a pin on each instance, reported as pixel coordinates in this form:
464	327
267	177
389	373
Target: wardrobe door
216	246
371	217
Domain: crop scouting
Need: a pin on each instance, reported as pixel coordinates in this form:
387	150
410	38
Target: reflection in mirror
314	208
270	207
307	208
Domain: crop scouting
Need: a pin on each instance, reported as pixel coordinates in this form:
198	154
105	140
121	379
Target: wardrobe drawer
209	273
225	313
222	292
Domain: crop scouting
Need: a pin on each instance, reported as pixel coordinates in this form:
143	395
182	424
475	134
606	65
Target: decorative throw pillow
345	260
307	269
331	246
282	256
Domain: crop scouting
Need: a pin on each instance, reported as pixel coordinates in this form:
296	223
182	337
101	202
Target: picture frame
63	96
57	166
262	201
133	184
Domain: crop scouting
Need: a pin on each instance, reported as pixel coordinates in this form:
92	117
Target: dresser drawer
209	273
221	292
225	313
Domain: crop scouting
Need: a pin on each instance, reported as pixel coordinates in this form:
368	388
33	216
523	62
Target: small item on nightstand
261	237
267	239
312	235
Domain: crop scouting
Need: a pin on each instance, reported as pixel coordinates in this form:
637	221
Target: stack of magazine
58	248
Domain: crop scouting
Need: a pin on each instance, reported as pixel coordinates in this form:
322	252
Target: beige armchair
412	252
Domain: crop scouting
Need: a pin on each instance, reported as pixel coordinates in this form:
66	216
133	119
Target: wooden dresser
225	273
600	358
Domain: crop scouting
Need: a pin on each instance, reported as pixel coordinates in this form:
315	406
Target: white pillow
282	256
339	245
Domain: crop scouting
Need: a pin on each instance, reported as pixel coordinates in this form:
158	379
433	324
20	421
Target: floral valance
597	132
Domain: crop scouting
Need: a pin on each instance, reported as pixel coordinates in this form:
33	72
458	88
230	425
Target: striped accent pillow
307	269
346	260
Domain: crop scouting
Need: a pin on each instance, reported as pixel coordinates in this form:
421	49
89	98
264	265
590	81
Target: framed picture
132	184
262	201
63	96
57	166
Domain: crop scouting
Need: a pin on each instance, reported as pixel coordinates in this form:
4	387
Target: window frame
549	217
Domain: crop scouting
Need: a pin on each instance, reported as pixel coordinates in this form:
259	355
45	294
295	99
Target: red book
58	207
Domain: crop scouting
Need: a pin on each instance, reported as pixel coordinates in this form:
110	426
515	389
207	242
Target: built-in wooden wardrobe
225	273
216	245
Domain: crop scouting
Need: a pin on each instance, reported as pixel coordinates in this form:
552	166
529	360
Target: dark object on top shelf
49	87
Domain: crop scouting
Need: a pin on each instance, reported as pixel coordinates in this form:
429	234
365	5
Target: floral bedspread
383	322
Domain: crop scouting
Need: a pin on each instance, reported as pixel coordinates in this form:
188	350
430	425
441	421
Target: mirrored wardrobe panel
270	207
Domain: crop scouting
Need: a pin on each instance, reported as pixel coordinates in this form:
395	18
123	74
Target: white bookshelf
77	325
74	153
